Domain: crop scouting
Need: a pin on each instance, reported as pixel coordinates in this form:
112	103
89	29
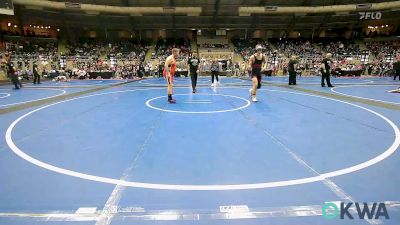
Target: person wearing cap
256	63
326	70
292	70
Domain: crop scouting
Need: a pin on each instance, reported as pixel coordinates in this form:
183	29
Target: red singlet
173	69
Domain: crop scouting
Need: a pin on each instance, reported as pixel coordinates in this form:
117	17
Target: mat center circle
199	103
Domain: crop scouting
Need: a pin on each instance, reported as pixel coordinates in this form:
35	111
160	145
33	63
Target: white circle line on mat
200	112
18	103
180	82
389	151
355	96
299	81
72	85
5	95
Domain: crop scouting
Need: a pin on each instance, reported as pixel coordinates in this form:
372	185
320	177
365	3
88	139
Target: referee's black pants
36	78
15	81
397	74
327	77
193	77
292	77
214	74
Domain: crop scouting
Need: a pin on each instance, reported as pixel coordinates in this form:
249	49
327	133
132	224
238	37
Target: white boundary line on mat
17	103
389	151
355	96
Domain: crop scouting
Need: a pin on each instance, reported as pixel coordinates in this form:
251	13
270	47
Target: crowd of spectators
341	49
209	45
164	49
91	65
383	48
129	69
129	50
126	58
31	49
246	48
86	49
303	48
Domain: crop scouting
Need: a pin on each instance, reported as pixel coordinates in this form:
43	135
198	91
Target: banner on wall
6	7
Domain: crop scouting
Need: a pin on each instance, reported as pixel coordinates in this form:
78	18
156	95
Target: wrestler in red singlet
169	72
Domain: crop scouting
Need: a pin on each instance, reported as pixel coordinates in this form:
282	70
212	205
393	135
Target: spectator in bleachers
236	70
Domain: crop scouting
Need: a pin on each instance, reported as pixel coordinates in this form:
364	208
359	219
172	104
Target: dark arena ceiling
216	14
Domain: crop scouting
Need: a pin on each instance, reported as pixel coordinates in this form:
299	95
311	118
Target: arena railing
139	11
247	11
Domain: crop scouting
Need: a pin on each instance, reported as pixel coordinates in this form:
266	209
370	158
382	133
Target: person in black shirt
370	67
193	63
141	70
11	72
36	76
160	69
326	71
292	70
396	67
